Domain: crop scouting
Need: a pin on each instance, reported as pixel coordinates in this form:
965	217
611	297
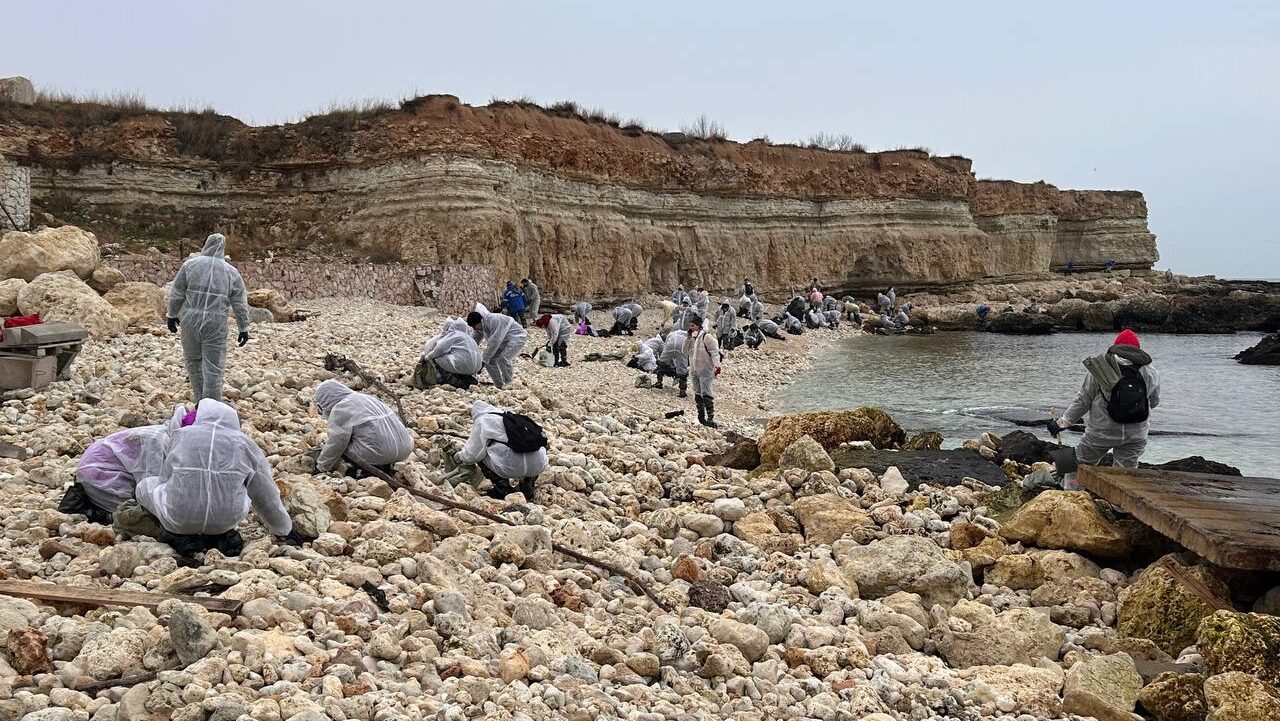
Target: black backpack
1128	402
524	435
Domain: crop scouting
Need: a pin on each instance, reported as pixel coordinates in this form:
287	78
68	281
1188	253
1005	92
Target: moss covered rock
1236	696
830	429
1162	609
1245	642
1174	697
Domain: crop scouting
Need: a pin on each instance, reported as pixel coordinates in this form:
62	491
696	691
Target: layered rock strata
584	207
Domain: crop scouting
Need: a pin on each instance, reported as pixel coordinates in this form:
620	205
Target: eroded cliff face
586	208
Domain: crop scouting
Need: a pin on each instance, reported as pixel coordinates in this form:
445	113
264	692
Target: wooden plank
1232	521
92	596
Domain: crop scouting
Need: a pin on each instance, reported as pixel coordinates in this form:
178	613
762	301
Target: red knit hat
1128	337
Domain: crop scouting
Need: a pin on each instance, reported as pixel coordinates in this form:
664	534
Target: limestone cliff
585	207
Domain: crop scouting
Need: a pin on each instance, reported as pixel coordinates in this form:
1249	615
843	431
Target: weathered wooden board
89	596
1232	521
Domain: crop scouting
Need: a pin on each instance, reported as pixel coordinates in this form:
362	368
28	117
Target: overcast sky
1180	100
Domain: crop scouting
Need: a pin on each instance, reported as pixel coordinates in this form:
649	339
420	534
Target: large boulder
1069	312
1021	323
17	89
1238	696
829	429
113	654
960	316
64	297
806	454
742	453
104	278
1029	689
1142	312
826	517
905	563
1159	607
1245	642
975	635
9	289
48	250
273	301
1265	353
1066	520
1109	681
1025	448
1174	696
143	304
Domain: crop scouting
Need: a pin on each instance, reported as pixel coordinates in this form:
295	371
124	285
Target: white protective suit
532	299
111	467
204	289
558	331
211	477
756	311
504	339
646	359
726	321
454	350
673	352
667	311
635	308
360	427
1102	433
486	444
581	311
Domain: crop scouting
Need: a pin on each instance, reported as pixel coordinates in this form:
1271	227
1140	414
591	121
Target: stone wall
15	196
451	289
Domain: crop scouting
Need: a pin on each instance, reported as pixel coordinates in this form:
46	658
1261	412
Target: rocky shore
804	588
1144	301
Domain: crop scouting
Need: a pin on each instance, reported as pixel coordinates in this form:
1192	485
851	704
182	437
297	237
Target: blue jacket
514	300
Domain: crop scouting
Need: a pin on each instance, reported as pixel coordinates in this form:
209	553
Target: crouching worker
210	479
624	320
508	448
452	358
754	336
111	467
362	429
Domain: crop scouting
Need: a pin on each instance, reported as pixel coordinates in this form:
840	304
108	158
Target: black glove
243	338
297	538
1054	428
173	325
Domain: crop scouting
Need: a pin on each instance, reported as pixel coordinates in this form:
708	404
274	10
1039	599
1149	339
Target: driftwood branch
334	362
632	581
134	680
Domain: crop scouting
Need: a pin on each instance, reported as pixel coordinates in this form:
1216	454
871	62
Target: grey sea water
964	383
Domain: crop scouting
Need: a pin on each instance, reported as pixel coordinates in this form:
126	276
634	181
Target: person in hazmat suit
703	352
882	303
833	318
623	321
902	320
503	338
532	297
796	308
666	310
726	323
452	357
636	309
110	468
361	429
204	290
770	329
679	319
851	310
646	356
510	463
754	336
756	311
829	302
701	302
558	331
1115	401
212	475
680	295
581	311
673	363
815	319
792	324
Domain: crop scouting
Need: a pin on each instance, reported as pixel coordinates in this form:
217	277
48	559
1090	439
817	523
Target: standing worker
703	352
726	323
1115	400
532	297
204	289
514	301
503	341
558	331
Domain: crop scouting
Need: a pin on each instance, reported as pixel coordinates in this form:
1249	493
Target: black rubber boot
702	410
684	384
710	404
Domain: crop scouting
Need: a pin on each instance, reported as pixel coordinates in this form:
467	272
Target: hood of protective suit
455	325
215	246
479	408
216	413
1133	354
328	394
